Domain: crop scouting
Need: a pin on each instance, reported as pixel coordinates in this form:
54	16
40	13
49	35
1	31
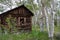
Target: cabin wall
23	18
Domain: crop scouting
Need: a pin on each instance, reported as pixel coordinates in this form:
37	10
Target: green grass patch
25	36
35	34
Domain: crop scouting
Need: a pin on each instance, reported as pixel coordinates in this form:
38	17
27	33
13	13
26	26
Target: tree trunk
47	20
42	17
51	28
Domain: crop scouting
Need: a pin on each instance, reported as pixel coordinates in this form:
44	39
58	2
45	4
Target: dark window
22	20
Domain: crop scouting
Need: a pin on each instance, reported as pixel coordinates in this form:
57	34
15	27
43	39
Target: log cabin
22	15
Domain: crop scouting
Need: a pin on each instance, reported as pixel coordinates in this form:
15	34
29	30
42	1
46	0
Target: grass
34	35
25	36
57	29
57	33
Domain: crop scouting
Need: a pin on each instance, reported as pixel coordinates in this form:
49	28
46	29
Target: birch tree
44	15
51	28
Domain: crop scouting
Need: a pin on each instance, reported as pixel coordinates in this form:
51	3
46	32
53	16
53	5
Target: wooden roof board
17	8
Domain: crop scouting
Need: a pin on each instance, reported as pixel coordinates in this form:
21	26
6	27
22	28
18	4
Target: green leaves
58	12
29	6
47	3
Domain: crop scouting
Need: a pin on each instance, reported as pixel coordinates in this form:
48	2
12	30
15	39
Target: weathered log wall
23	18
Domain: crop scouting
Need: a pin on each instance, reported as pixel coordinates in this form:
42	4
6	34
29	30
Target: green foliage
55	22
47	3
25	36
57	33
57	29
11	23
29	6
33	35
58	12
32	7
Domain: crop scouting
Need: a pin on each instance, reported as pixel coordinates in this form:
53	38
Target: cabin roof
17	8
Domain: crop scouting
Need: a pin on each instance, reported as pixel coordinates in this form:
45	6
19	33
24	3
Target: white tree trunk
47	20
51	28
42	17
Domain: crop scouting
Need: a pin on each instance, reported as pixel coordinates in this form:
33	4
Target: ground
34	35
